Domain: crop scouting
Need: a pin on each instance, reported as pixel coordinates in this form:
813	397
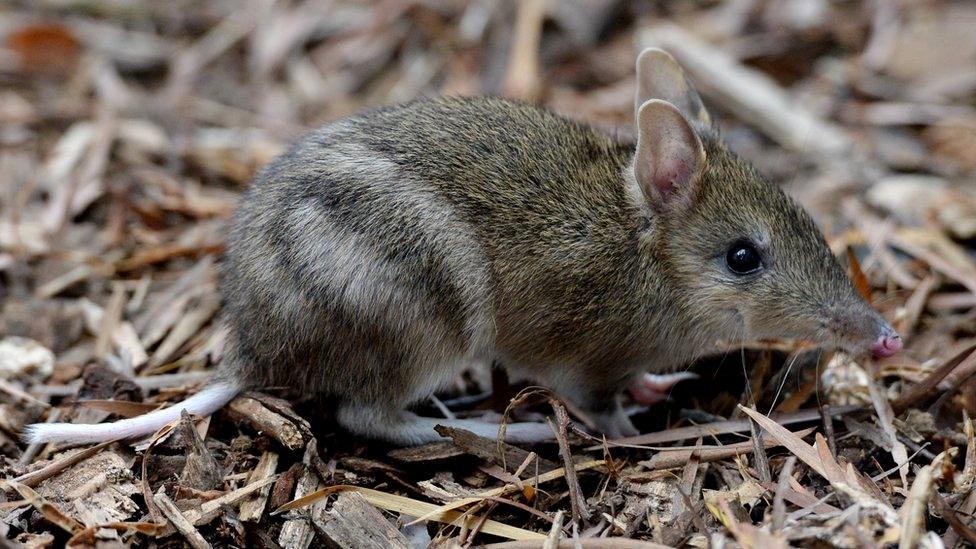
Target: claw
653	388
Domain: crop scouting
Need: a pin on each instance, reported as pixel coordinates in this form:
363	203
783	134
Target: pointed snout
862	330
887	344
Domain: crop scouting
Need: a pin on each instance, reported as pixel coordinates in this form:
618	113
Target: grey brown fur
393	248
383	253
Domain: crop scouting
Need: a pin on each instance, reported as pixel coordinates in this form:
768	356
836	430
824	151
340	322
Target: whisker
819	374
745	374
782	382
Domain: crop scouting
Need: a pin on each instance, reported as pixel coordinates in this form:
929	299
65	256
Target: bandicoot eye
743	258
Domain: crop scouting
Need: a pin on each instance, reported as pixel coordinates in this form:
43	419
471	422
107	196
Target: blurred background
128	129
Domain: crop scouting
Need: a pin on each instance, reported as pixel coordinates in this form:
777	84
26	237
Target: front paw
650	389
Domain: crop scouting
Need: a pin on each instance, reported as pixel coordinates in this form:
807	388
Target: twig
576	500
111	316
937	262
209	510
186	66
718	428
176	518
669	459
482	519
916	304
950	516
34	478
20	394
828	424
925	387
967	507
555	532
489	449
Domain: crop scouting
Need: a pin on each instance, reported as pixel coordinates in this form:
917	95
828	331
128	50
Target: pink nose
886	345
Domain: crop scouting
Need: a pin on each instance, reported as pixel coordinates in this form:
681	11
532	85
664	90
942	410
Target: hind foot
613	423
408	429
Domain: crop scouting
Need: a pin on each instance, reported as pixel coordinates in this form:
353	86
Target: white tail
204	403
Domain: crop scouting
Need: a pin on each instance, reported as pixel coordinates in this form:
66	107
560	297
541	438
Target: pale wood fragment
297	533
252	509
352	523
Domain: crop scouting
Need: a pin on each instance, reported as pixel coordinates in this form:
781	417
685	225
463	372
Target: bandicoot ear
660	77
669	158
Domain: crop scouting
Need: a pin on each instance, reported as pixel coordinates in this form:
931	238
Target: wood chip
352	523
268	422
492	451
209	509
36	477
50	511
436	451
297	533
253	508
423	510
123	335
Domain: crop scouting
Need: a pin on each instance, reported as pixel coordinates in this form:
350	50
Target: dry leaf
44	47
861	283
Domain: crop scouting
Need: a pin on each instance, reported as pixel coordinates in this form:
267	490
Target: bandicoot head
749	260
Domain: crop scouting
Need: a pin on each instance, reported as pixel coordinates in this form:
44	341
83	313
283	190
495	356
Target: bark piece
201	472
267	421
435	451
352	523
490	450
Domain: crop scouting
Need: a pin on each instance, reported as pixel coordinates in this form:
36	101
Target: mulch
129	129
